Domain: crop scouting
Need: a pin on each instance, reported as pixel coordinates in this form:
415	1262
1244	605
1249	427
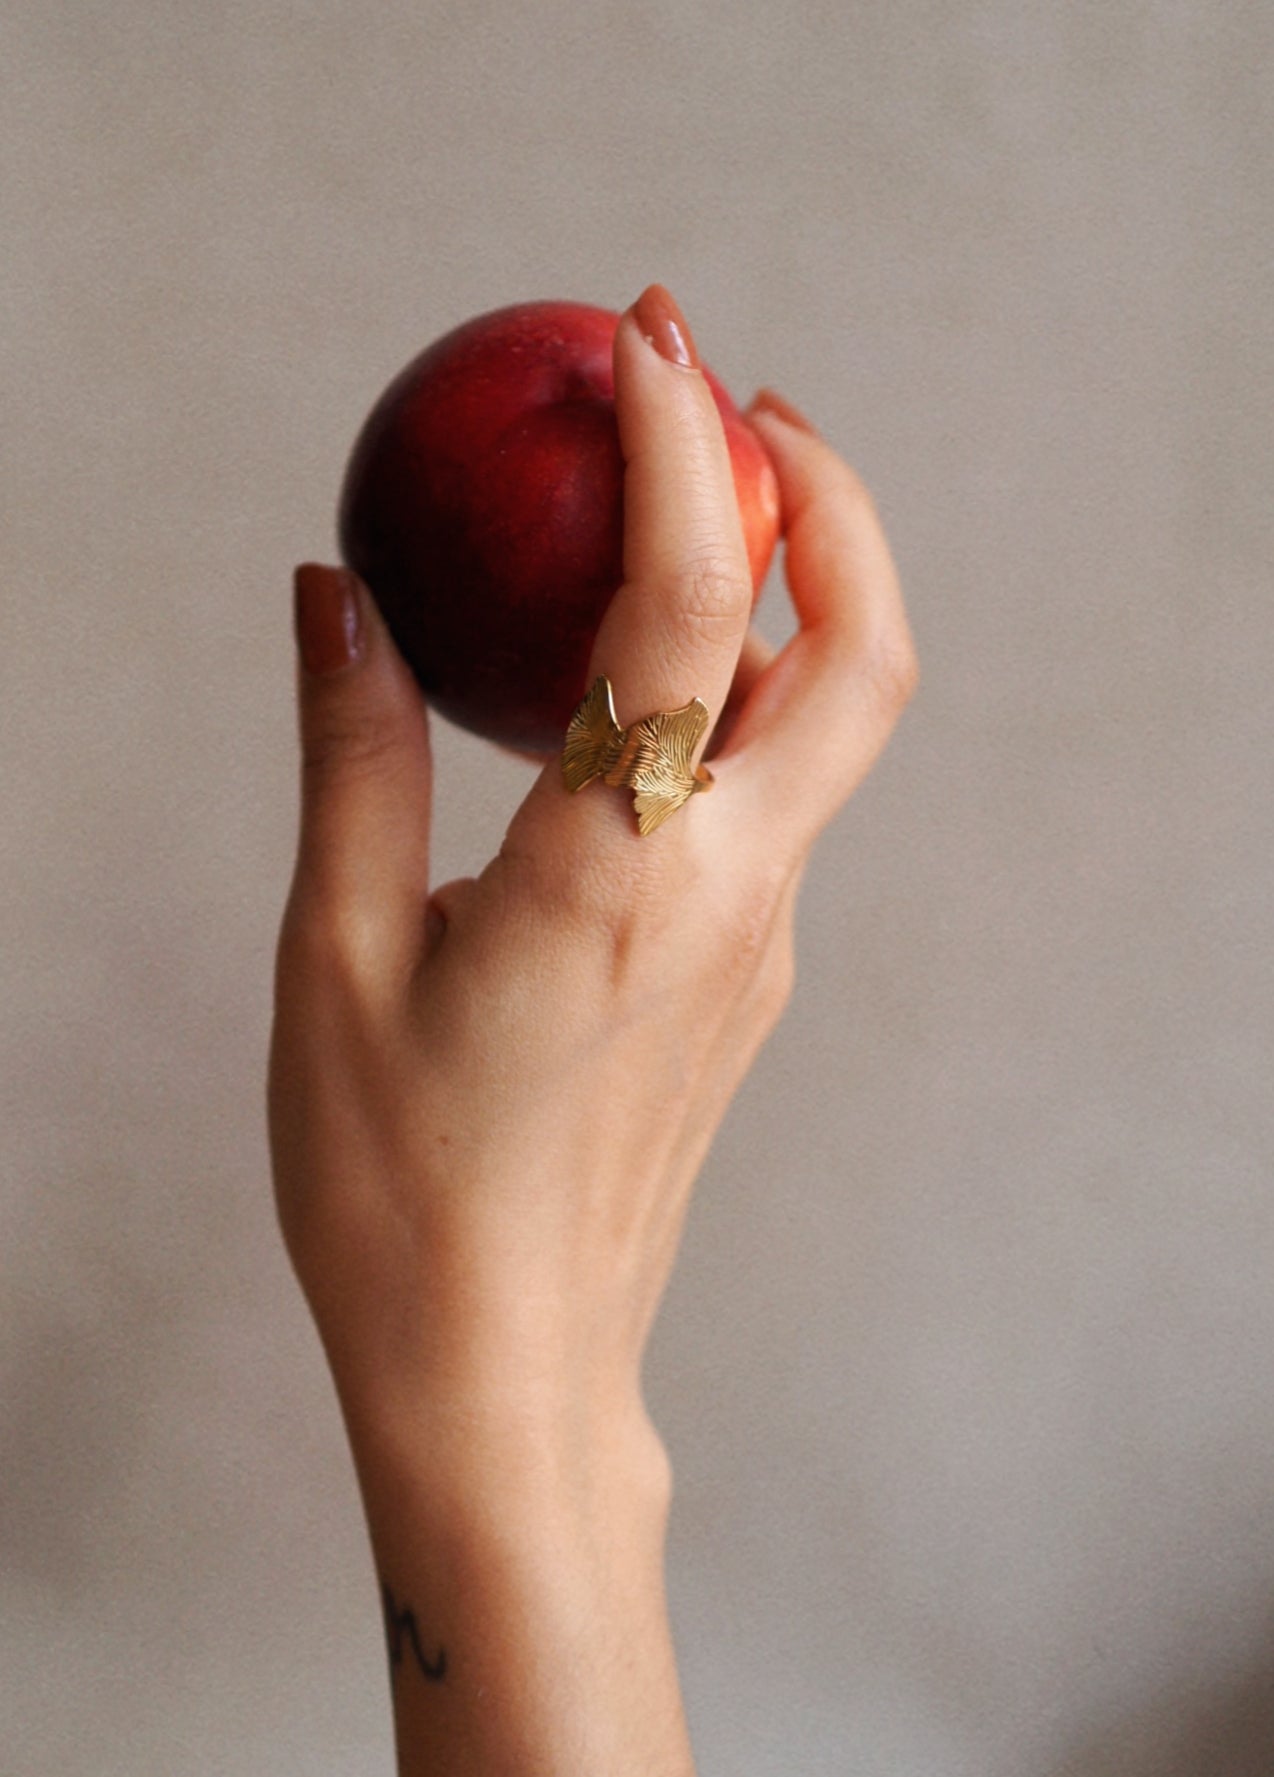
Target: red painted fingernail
329	618
664	325
768	401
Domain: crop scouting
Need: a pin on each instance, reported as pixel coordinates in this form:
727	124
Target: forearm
521	1573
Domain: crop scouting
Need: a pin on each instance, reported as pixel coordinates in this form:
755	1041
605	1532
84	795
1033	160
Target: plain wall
968	1366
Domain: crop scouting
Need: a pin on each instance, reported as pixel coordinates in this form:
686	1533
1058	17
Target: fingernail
767	401
329	621
664	325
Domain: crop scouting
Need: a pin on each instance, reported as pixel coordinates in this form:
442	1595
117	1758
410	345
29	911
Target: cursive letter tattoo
400	1626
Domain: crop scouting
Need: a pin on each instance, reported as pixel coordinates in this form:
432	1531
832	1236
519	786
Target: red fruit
483	507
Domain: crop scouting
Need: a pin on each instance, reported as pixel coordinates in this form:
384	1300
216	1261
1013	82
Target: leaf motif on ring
652	757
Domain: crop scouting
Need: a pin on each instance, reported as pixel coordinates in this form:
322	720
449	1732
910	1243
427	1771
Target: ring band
652	757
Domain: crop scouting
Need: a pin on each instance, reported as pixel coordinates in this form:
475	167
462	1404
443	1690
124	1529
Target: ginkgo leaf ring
652	757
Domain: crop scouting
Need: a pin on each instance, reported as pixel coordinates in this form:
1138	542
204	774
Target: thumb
363	861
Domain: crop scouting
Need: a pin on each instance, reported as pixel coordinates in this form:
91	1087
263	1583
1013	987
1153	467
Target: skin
489	1100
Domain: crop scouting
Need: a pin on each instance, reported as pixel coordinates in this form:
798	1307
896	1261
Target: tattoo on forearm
400	1628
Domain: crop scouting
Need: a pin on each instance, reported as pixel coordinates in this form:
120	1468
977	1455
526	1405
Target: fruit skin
483	506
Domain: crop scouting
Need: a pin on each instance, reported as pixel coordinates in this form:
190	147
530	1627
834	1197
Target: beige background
968	1368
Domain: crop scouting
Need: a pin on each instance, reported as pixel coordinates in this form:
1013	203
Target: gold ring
652	757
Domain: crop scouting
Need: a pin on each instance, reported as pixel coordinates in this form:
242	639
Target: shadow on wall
1228	1732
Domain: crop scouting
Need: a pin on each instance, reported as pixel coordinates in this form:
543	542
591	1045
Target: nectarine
483	506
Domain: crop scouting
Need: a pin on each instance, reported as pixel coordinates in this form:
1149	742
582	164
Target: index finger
675	627
674	630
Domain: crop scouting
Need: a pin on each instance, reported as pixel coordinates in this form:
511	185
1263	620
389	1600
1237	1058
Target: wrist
517	1505
547	1458
520	1563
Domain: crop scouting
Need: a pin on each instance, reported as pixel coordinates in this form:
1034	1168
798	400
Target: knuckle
575	895
715	594
534	880
894	672
625	926
778	984
346	741
581	904
879	661
747	934
328	946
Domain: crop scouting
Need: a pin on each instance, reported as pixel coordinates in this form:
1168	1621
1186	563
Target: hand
489	1102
